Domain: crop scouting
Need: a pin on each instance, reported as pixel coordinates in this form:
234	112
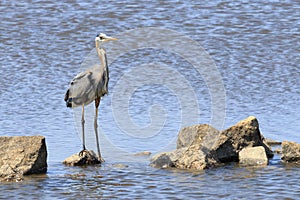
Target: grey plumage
89	86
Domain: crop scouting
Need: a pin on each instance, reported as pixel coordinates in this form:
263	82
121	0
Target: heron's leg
82	125
97	102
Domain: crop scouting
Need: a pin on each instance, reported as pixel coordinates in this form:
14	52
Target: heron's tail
68	100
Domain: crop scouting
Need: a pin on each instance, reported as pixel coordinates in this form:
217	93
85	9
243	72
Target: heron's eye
101	38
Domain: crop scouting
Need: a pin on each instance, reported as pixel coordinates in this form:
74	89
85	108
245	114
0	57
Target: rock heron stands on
90	86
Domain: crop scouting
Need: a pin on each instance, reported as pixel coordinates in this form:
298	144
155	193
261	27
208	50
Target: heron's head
101	38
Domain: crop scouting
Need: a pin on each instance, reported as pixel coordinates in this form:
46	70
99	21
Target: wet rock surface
201	146
22	155
290	152
86	157
253	156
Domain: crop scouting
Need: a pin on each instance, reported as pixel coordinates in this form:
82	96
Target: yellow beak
111	39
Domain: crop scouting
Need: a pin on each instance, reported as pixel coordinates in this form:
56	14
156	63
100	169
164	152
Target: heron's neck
103	66
102	56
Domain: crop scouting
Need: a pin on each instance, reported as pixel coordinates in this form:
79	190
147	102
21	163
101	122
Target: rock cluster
201	146
22	155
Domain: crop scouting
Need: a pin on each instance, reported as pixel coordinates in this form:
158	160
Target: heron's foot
101	159
84	151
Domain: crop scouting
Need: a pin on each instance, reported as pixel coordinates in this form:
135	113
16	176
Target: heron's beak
111	39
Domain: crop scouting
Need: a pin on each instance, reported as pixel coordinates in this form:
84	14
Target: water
255	48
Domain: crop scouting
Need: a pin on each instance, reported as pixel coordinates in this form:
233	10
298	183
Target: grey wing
82	90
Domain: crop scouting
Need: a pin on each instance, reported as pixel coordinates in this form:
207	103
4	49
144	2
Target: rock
201	146
197	158
22	155
253	156
290	152
278	151
191	152
271	142
86	157
143	153
196	134
194	151
244	134
119	166
163	160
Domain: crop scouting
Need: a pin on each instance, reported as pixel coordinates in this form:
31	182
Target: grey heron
89	86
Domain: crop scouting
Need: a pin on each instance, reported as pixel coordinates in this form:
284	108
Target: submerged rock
143	153
22	155
271	142
253	156
201	146
86	157
163	160
119	166
290	152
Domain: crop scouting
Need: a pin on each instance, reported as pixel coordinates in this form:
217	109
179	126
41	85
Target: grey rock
194	145
253	156
244	134
86	157
192	150
22	155
202	133
290	152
